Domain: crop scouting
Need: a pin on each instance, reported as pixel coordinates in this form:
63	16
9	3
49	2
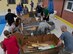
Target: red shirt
10	45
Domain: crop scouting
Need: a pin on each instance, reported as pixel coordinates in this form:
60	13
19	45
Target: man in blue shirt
68	40
19	9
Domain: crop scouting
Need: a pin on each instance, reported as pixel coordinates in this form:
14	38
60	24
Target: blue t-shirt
68	41
19	9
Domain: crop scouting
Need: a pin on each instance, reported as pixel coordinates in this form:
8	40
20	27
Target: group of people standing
14	25
42	12
21	9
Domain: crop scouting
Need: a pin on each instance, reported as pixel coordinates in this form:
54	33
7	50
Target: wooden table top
27	48
32	47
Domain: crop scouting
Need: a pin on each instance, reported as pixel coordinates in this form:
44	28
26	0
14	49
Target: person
45	11
25	10
43	27
9	17
18	25
32	5
46	17
38	10
22	5
68	41
10	44
19	9
42	8
45	14
11	28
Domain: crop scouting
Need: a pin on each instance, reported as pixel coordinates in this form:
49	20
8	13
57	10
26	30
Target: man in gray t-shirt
68	40
42	26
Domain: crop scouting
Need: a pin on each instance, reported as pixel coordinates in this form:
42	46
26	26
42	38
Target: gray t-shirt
43	25
68	41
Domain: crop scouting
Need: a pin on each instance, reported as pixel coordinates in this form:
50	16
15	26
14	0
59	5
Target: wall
57	5
4	7
67	16
45	3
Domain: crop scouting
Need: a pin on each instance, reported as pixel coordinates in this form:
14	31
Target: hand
59	43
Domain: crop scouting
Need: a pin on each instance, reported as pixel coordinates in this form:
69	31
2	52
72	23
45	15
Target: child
10	44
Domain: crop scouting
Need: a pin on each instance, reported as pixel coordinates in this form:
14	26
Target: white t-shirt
11	27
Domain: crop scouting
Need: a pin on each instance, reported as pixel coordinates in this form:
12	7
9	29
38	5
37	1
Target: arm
3	47
17	44
6	17
49	26
61	40
14	15
22	26
60	44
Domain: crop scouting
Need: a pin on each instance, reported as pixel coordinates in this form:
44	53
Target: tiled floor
56	31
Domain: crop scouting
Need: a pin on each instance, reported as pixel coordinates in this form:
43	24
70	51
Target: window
40	0
11	1
69	5
24	1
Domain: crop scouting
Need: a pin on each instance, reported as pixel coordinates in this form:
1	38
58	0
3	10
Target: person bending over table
68	41
18	25
45	14
43	27
10	44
